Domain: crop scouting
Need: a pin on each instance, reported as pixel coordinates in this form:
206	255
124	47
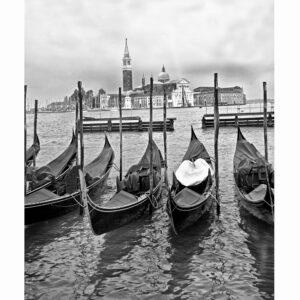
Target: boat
192	191
132	198
254	180
44	204
33	151
48	175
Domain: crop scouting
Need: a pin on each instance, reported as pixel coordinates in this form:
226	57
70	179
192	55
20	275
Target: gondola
49	175
254	180
193	187
33	151
132	198
44	204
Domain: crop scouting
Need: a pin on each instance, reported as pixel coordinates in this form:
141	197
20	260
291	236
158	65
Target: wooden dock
253	119
128	124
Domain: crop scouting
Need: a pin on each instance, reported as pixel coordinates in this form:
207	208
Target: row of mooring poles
81	138
151	145
265	120
25	138
120	128
35	130
216	137
165	138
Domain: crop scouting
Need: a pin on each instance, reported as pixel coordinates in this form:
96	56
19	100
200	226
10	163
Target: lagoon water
227	258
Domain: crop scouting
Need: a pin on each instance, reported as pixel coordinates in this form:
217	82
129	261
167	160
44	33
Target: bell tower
127	70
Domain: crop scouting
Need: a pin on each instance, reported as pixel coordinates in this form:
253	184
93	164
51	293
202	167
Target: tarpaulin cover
247	157
193	173
34	148
100	164
145	160
58	165
196	150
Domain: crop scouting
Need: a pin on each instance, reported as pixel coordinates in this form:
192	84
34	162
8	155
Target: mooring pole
216	137
165	139
151	147
120	128
35	128
76	128
25	137
265	120
81	138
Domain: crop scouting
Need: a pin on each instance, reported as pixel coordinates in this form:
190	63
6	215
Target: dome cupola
163	76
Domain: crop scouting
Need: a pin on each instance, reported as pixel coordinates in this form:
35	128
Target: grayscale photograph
149	149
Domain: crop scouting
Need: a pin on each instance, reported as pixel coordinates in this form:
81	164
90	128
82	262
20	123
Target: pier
251	119
128	124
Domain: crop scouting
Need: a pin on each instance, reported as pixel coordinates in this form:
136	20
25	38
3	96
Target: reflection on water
226	258
260	241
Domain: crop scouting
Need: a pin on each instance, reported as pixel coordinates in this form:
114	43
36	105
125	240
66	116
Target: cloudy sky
71	40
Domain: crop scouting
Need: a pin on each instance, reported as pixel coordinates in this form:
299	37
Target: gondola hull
61	205
38	213
261	209
254	181
183	218
107	219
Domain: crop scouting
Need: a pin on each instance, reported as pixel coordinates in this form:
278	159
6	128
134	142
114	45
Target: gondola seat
120	199
258	194
188	198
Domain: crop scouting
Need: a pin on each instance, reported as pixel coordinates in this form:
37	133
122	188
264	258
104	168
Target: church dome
163	76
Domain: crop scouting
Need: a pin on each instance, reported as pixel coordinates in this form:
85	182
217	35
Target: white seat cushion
193	173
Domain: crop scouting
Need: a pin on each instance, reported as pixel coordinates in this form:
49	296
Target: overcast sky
71	40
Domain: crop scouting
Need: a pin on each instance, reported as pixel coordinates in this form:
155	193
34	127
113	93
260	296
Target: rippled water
227	258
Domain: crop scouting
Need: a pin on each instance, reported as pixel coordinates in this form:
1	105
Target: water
229	258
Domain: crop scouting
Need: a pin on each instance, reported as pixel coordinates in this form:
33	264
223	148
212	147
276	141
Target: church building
178	92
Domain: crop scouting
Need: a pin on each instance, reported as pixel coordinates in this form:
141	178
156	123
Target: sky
71	40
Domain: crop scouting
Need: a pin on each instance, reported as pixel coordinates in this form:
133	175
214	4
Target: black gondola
132	198
44	204
254	180
48	175
187	204
33	151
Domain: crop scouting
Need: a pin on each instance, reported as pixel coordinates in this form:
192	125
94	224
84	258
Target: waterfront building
204	96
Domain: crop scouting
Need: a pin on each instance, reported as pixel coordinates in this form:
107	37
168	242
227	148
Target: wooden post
165	138
151	147
25	137
265	120
81	137
35	128
120	129
216	125
76	128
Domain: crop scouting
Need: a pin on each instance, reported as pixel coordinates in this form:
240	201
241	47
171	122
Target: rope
211	195
83	206
270	192
116	167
